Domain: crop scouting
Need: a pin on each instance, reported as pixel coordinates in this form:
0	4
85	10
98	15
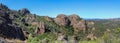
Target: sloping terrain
104	24
22	25
31	28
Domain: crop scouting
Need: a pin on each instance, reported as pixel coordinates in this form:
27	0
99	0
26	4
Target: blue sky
83	8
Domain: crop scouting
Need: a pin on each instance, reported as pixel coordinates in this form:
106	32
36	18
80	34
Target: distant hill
106	23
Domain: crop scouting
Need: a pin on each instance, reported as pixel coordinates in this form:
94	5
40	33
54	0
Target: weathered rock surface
7	29
74	19
62	20
79	26
41	28
30	19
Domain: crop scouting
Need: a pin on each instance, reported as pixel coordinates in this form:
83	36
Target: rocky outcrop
74	19
62	20
24	11
30	19
7	29
41	28
79	26
77	23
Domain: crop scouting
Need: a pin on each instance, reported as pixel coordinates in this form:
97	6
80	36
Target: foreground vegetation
108	37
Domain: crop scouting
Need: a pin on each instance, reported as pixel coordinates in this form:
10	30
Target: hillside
106	23
24	27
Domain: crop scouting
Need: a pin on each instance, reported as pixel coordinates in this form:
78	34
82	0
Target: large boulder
77	23
41	28
81	25
62	20
74	19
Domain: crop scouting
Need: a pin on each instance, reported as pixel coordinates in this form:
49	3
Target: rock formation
62	20
30	19
24	11
74	19
79	26
41	28
7	28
